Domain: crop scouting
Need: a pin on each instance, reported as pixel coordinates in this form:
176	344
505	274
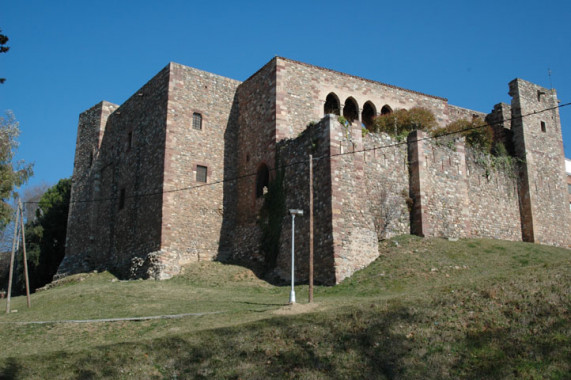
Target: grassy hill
427	308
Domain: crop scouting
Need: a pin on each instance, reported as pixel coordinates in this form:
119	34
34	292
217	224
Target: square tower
539	144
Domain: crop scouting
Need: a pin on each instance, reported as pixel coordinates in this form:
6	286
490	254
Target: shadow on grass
10	370
295	346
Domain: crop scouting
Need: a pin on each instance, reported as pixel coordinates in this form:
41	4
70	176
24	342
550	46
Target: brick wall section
192	219
542	189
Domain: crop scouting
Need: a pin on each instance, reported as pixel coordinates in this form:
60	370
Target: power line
237	178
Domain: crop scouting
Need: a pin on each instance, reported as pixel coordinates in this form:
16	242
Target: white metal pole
292	293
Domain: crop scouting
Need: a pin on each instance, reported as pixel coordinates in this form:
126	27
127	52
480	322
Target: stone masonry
179	173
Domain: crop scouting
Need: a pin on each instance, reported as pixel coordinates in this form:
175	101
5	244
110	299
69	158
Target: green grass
427	308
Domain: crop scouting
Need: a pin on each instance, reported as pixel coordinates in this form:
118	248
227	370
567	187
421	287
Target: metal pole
292	293
310	228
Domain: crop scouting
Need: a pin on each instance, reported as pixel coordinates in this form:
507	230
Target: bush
401	122
477	132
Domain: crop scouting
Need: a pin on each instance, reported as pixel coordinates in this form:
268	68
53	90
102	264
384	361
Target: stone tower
538	142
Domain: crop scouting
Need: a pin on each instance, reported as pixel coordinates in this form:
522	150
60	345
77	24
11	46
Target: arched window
351	110
262	180
332	105
386	110
368	114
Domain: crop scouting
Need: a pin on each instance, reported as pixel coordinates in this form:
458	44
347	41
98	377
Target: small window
122	199
197	121
569	188
201	173
543	129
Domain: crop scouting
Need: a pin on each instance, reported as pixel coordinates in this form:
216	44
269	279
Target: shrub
477	132
401	122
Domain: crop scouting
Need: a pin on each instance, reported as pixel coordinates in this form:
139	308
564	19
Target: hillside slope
427	308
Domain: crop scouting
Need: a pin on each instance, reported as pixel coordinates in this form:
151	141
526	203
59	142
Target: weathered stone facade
178	173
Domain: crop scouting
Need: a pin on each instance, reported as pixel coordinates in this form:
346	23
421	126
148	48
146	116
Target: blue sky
66	56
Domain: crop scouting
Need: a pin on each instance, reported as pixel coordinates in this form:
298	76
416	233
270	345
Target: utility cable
304	162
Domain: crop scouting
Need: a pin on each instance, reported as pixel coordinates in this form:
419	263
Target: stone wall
387	189
493	196
456	113
294	161
355	241
81	253
121	192
443	188
256	137
193	211
459	192
255	144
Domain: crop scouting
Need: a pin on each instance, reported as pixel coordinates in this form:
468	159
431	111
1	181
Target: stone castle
180	173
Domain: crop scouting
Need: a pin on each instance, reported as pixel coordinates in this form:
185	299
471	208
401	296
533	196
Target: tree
11	174
3	49
46	234
31	198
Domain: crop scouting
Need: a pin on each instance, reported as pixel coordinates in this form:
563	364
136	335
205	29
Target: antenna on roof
550	82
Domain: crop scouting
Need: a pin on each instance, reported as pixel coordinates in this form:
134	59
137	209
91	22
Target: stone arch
351	110
262	179
368	114
332	105
386	110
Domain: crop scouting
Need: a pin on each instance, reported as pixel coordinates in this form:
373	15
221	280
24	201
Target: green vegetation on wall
401	122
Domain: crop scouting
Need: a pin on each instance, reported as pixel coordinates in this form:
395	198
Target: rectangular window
201	173
543	128
196	121
122	199
569	188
